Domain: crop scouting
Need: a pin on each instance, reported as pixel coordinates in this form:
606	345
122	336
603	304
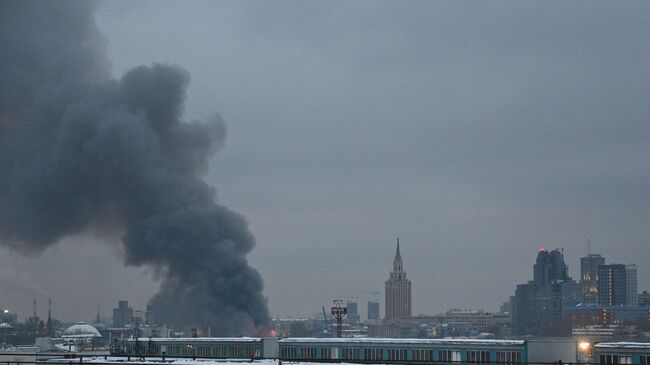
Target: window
478	357
326	353
643	359
422	355
220	351
308	353
235	351
288	352
508	358
448	356
241	351
625	360
397	354
373	354
610	359
350	353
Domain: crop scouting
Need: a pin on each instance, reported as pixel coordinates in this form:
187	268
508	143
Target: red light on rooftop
542	249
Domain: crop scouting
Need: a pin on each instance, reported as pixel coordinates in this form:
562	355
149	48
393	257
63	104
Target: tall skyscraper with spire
398	291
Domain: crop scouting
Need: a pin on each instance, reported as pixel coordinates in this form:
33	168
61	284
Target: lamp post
585	352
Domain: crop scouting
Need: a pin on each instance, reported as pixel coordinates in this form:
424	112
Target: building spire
398	290
397	253
98	319
397	262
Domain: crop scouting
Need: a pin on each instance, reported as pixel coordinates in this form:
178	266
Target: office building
631	291
612	289
605	315
353	311
122	315
644	299
373	310
542	301
589	277
398	291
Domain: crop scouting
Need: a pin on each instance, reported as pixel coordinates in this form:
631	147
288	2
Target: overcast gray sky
477	132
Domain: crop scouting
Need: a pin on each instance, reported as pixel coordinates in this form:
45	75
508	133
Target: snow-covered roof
175	361
81	329
201	339
623	345
414	341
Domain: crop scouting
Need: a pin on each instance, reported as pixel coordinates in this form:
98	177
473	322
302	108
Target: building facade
373	310
353	312
542	301
612	289
398	291
122	315
644	299
589	277
631	291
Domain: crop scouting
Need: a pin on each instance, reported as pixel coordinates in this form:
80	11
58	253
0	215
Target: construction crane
374	293
327	321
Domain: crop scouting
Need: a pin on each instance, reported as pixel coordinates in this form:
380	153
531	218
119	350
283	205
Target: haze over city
476	133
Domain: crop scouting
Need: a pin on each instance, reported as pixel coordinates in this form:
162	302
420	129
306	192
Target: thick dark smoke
79	149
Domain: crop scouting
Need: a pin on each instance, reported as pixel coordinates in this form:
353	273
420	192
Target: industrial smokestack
79	149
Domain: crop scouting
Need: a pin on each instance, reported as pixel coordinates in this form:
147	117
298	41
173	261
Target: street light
585	352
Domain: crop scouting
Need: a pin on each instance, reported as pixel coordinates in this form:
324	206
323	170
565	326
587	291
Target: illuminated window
448	356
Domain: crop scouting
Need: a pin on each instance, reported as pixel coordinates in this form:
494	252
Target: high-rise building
122	315
542	301
612	288
550	267
398	291
589	277
644	299
373	310
506	307
353	311
631	291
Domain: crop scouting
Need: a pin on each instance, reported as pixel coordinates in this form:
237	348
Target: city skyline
359	298
477	134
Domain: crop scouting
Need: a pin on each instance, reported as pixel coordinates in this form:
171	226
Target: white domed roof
82	329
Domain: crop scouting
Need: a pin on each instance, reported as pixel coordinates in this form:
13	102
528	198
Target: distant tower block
373	310
98	318
398	291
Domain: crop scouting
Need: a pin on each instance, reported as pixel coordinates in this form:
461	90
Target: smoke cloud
80	150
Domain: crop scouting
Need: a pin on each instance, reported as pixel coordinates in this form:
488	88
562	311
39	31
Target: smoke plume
79	150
